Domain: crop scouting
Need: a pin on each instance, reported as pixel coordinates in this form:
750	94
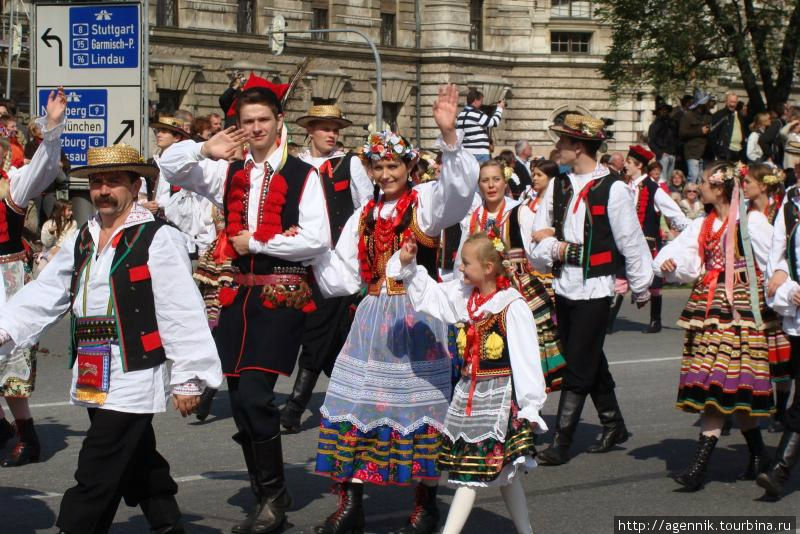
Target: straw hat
324	113
116	158
581	127
172	124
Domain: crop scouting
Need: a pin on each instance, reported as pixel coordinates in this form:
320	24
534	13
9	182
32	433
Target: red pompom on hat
278	89
640	153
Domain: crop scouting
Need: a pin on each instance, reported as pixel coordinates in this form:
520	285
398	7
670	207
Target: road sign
97	52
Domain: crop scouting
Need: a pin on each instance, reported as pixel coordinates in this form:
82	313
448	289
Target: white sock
517	505
459	511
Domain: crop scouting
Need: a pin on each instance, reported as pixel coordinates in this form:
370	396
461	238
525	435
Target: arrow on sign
128	128
47	38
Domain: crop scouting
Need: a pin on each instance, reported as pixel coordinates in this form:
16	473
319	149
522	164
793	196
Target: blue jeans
482	157
695	168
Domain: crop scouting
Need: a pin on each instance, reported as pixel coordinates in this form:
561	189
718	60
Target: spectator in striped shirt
476	124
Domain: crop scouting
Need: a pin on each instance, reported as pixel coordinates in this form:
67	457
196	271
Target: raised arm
447	200
32	179
202	167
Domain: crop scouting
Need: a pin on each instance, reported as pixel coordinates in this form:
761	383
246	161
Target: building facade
541	55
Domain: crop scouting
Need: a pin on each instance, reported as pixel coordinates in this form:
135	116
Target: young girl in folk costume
514	223
725	368
762	186
390	387
490	425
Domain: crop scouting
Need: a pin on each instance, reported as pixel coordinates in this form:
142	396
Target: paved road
582	496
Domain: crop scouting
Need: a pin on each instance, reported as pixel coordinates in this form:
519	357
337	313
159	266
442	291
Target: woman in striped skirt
725	368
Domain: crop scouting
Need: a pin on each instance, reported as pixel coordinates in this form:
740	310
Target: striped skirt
380	456
726	361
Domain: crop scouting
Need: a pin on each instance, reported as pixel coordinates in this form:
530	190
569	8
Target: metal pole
378	68
10	48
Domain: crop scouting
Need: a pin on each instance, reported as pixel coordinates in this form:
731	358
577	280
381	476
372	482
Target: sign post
97	52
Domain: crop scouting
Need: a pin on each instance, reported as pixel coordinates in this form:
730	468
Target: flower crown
388	145
778	177
724	174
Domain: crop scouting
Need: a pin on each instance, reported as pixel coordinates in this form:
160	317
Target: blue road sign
87	127
104	37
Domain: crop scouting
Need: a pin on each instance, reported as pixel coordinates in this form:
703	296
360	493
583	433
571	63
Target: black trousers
792	416
326	331
253	404
582	328
118	459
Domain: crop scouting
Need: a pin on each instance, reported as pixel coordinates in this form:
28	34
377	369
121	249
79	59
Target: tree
673	44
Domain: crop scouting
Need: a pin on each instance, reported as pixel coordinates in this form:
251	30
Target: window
245	18
387	30
391	111
570	42
168	101
476	25
167	13
571	8
319	21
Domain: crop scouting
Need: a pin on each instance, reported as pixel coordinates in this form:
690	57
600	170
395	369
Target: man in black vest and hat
588	225
126	279
346	187
273	223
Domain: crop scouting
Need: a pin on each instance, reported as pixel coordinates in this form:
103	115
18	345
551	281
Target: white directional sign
97	52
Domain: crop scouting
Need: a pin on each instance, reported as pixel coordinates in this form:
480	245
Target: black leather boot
785	457
656	303
614	431
777	424
204	406
249	460
759	461
275	500
6	432
296	404
27	451
570	406
349	515
616	304
162	514
425	517
694	476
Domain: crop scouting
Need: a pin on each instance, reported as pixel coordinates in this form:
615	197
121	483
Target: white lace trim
385	421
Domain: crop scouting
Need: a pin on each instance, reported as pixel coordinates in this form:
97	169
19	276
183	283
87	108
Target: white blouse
180	313
685	249
440	203
448	302
781	302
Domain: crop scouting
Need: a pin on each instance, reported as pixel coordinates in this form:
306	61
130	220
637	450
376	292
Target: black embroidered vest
295	172
651	226
427	251
494	358
131	294
600	255
337	194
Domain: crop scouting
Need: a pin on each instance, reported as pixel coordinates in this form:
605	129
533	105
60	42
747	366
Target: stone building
542	55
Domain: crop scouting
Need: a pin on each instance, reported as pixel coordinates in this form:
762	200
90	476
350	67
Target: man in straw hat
651	203
274	222
18	372
347	187
126	280
588	225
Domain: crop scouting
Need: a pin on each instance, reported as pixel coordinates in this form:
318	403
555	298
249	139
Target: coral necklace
476	300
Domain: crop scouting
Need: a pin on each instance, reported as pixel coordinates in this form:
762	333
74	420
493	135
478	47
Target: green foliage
673	45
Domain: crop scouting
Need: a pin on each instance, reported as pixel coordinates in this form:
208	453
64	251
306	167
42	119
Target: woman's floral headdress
724	174
388	145
777	177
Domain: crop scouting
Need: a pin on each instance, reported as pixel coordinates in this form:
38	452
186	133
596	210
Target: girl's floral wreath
777	177
388	145
727	173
